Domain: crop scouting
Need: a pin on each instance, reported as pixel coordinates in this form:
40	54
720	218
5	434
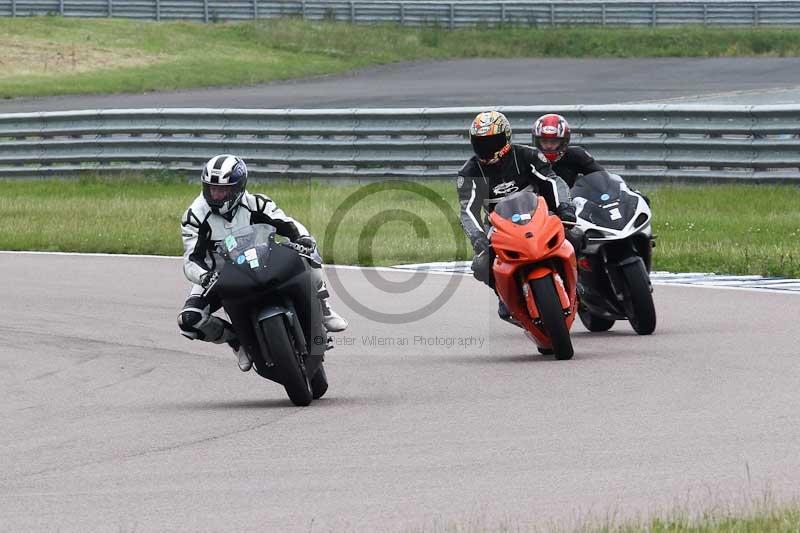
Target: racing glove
481	244
482	262
566	212
208	278
307	241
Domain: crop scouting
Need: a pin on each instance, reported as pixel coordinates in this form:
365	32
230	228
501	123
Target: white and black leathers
201	229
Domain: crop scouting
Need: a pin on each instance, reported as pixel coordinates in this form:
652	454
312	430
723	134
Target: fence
642	142
449	14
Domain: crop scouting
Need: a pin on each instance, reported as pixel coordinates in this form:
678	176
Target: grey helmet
224	180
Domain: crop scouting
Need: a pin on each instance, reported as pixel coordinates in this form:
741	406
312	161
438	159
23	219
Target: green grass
758	517
761	520
736	229
777	521
55	55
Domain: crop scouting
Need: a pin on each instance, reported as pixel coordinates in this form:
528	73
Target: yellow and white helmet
490	136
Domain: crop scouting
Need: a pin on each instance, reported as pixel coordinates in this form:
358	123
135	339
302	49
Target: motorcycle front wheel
549	306
282	352
638	299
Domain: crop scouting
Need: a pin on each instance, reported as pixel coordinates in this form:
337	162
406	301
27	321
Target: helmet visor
217	195
485	147
551	144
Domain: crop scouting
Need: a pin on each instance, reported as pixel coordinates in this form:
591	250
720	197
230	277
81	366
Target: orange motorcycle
535	271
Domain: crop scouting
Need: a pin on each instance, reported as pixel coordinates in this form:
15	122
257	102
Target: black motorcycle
614	270
267	290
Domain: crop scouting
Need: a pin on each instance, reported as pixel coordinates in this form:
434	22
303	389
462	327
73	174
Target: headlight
640	220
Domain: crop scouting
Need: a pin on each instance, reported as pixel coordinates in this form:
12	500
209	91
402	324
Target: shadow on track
267	403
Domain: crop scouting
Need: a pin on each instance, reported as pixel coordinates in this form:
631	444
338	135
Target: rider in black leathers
551	135
498	169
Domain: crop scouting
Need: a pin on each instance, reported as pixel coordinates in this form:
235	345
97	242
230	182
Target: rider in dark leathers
498	169
575	162
551	134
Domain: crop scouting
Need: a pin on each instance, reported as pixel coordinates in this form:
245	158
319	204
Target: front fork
613	269
561	290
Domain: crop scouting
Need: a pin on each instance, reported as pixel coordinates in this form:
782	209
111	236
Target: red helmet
551	136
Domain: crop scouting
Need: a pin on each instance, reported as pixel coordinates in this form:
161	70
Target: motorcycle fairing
281	283
607	209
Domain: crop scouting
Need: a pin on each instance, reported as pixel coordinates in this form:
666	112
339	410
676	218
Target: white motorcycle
614	268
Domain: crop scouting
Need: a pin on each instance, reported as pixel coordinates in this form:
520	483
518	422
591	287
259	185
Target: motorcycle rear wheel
549	306
319	383
638	299
282	352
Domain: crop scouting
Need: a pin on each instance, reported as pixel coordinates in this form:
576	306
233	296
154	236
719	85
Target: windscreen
517	207
249	245
598	187
603	200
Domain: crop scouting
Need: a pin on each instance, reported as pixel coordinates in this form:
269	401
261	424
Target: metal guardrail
642	142
449	14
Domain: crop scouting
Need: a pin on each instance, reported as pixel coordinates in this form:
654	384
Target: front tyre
638	299
593	322
549	306
282	352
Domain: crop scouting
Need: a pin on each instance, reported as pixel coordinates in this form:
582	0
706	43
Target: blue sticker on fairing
240	260
604	197
515	217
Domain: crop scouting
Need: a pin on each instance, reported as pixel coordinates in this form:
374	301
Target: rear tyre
282	352
638	299
549	305
594	322
319	383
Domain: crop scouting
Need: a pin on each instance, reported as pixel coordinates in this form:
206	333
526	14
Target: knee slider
188	321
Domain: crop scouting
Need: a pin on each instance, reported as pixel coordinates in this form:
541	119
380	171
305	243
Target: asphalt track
480	82
113	422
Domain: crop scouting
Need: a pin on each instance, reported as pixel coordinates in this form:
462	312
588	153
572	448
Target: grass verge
774	521
53	55
734	229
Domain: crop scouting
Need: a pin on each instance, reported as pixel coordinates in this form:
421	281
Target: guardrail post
352	12
402	13
452	15
158	10
654	15
603	14
303	8
502	13
110	8
255	9
705	14
552	14
756	22
205	10
13	8
61	7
